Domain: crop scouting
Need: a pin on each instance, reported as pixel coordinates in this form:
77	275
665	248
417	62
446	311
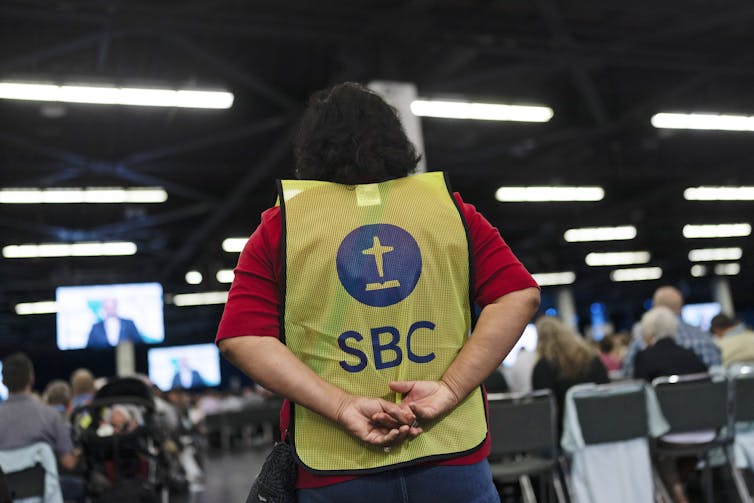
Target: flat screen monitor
701	314
102	316
186	367
528	341
3	389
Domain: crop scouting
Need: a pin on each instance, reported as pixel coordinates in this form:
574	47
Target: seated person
565	359
57	395
117	419
663	356
82	387
25	421
736	342
518	376
608	355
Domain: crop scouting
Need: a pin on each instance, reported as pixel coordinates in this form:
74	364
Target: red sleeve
253	306
496	270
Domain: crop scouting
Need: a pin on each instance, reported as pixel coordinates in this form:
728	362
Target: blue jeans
418	484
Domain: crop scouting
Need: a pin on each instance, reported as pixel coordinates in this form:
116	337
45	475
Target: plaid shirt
690	337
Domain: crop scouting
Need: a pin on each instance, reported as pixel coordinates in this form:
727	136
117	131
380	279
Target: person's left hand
427	399
377	421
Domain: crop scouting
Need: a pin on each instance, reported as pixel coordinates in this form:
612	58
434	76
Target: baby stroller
121	444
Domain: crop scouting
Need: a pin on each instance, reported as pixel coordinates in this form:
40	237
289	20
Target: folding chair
614	426
524	442
5	496
694	404
742	384
31	472
26	483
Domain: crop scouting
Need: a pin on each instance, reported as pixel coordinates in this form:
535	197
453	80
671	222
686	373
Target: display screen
102	316
527	341
187	367
3	389
700	315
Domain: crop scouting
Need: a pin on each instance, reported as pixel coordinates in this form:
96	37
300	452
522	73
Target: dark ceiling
604	67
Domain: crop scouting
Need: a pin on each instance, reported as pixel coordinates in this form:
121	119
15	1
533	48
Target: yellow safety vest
376	290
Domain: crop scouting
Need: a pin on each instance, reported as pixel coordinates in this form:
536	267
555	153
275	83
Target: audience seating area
230	424
614	433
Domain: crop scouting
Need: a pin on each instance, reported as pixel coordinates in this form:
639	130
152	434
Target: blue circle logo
379	264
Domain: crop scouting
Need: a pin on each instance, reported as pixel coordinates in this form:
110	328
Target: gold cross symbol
377	250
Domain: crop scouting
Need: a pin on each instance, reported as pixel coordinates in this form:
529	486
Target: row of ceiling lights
544	279
131	195
193	98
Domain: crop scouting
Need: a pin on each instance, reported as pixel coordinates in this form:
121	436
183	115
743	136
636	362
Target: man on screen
112	329
185	376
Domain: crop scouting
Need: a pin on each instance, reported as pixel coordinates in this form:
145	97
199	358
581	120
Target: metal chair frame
700	402
523	430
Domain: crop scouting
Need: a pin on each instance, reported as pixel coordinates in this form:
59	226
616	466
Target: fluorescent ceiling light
719	193
194	277
637	274
225	276
85	195
715	254
716	122
618	258
480	111
600	234
234	245
109	95
43	307
549	193
554	278
716	231
728	269
698	270
92	249
200	299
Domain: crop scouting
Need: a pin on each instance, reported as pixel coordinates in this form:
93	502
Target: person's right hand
377	421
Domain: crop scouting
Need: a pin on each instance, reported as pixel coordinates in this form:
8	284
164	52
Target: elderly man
663	356
687	336
735	340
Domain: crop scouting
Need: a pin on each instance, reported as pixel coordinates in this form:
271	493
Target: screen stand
124	359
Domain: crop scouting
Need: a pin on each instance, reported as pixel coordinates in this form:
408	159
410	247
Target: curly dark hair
349	135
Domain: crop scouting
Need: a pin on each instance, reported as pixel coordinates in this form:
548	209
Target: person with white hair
687	336
663	356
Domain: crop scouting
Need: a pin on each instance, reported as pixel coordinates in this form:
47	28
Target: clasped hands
382	423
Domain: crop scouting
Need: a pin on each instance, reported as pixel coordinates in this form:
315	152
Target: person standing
111	330
352	299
